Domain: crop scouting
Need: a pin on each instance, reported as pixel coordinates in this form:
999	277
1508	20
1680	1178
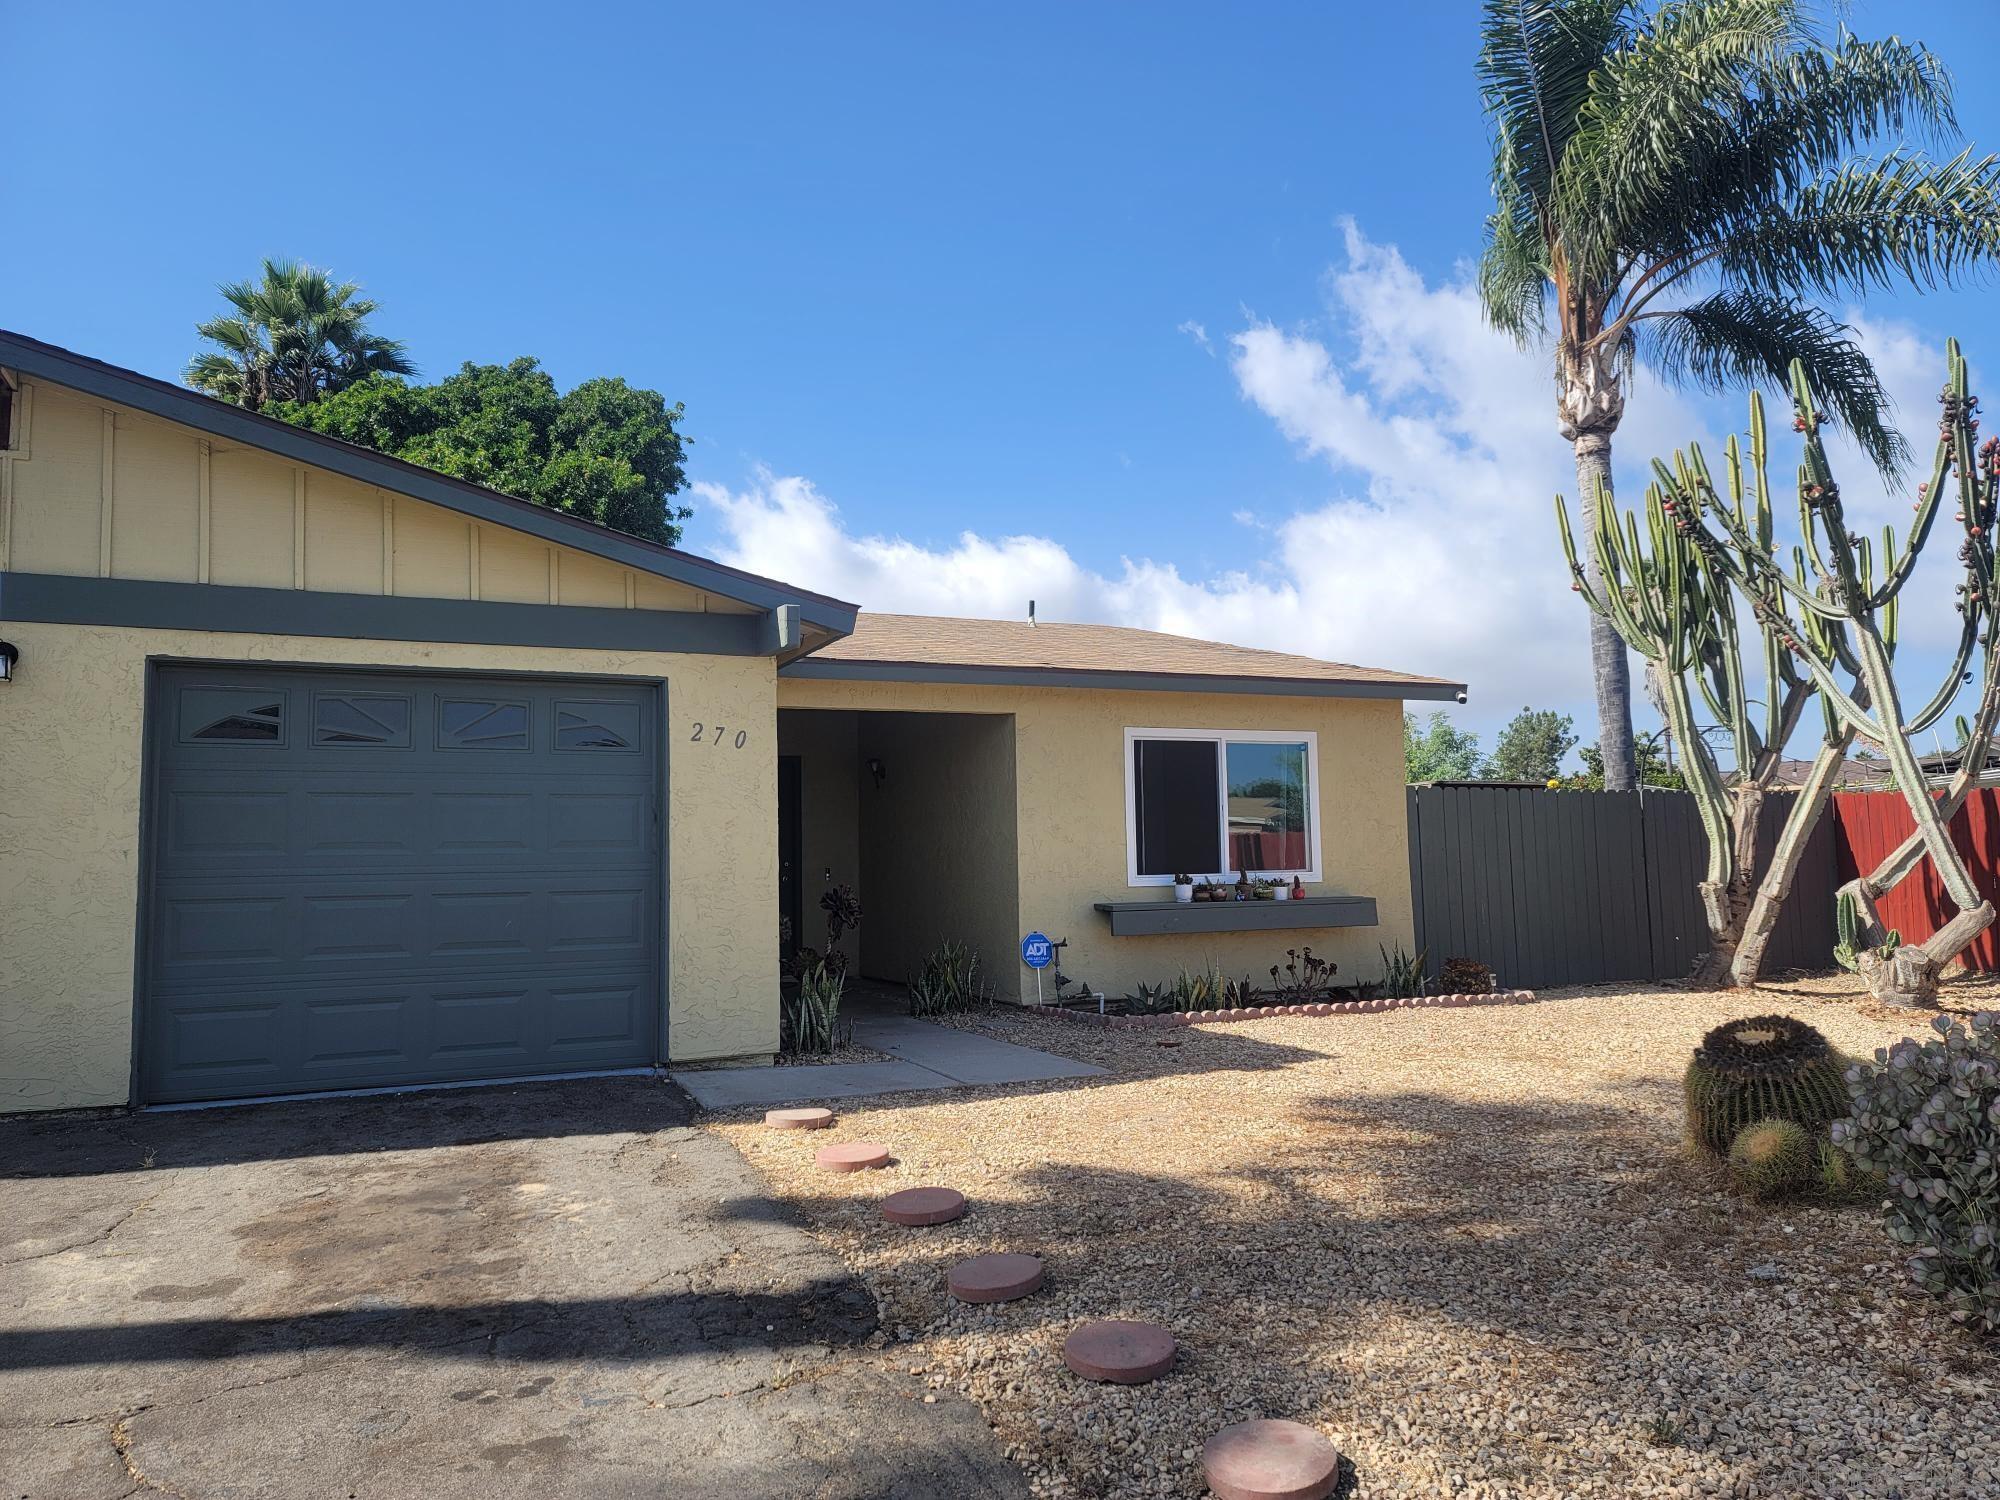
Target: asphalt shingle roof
944	642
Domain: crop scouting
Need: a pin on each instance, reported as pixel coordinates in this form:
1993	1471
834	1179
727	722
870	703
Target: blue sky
1156	312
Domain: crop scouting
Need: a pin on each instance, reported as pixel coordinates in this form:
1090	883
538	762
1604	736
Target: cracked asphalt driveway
553	1289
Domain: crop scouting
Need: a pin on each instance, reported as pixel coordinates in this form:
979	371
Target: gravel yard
1465	1245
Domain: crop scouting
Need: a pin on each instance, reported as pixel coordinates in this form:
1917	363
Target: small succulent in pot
1184	888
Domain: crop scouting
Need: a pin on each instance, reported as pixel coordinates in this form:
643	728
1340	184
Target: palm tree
1676	180
296	335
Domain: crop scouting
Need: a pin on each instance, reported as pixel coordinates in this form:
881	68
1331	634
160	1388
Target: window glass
1175	817
482	724
361	719
244	715
1267	805
597	726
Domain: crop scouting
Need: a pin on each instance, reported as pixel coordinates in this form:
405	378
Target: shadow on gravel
139	1140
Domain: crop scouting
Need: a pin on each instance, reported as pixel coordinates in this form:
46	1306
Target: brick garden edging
1171	1019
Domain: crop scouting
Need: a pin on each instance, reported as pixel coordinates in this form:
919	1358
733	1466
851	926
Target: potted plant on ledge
1184	888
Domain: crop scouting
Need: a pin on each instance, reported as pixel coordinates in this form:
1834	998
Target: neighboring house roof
174	403
1854	776
933	648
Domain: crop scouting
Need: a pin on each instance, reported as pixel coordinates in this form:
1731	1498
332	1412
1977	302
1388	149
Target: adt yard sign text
1036	951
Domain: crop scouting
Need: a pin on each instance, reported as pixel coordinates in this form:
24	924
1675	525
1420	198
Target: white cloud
1434	550
1196	331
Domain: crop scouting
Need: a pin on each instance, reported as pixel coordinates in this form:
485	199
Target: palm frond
1514	276
1794	121
1869	224
1649	100
1536	58
1736	338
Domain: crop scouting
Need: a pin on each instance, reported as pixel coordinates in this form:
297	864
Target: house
319	770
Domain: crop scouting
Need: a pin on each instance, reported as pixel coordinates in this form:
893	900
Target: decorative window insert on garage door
367	879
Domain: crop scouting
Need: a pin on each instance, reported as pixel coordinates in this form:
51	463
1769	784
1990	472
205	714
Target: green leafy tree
1675	181
296	335
604	450
1438	750
1532	746
1651	759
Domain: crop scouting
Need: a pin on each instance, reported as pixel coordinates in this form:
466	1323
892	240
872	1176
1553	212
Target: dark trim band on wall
821	670
93	377
57	599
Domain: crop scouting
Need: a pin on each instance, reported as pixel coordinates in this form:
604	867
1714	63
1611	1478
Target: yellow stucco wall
71	739
104	491
1069	755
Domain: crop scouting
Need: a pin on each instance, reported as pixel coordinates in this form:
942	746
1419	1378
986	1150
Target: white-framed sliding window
1207	802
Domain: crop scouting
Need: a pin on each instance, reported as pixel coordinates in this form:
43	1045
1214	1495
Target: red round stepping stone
1269	1460
852	1156
923	1205
1119	1351
798	1119
995	1278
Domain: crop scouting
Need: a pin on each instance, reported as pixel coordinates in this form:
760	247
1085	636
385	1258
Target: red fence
1869	825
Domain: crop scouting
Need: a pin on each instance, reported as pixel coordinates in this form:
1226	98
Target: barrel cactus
1763	1068
1773	1158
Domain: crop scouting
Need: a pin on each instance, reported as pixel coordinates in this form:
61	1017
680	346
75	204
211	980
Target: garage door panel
207	932
234	1041
603	923
496	923
375	1030
225	823
370	927
373	821
211	931
369	879
589	1020
600	823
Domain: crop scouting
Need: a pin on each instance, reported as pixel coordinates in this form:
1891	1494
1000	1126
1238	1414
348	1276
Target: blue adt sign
1036	951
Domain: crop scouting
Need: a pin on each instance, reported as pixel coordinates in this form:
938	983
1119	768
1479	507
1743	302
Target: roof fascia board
61	599
233	424
822	670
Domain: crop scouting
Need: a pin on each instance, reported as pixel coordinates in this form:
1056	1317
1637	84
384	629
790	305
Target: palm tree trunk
1609	668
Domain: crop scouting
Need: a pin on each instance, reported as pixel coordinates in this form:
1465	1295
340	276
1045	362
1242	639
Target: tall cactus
1672	604
1827	622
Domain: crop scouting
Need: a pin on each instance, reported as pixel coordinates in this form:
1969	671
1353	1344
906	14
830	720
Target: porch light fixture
879	771
9	654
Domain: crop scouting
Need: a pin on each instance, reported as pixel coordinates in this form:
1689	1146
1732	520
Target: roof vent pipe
1031	611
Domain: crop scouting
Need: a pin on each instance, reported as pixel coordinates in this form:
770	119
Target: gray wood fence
1557	888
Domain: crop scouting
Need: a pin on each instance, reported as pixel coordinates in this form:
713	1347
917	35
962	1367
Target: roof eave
820	669
219	419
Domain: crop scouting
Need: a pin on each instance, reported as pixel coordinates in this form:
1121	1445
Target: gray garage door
363	880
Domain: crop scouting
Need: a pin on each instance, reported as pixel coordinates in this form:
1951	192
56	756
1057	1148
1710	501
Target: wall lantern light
8	656
879	771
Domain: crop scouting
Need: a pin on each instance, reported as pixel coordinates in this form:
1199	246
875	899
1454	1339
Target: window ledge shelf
1148	918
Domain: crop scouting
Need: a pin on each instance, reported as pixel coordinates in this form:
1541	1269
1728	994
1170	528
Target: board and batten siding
101	491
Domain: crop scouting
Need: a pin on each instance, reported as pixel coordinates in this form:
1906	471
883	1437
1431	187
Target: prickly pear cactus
1762	1068
1773	1159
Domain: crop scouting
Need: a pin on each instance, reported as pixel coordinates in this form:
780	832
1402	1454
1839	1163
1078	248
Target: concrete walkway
926	1057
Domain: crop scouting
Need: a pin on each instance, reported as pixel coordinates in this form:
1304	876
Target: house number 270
713	733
